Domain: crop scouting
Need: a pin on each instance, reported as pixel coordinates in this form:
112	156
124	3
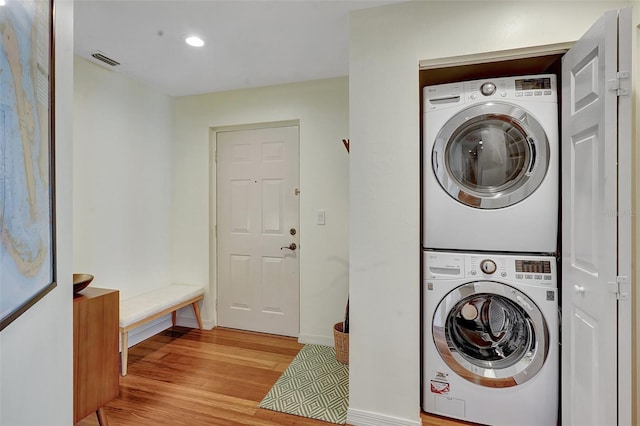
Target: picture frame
27	156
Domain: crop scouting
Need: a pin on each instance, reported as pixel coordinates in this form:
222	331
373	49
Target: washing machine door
491	155
491	334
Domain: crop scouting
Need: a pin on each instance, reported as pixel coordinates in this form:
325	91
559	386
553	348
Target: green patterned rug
314	385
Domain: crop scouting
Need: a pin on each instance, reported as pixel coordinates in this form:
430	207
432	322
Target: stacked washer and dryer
490	290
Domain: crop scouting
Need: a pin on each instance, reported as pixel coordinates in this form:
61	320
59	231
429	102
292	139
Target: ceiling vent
105	59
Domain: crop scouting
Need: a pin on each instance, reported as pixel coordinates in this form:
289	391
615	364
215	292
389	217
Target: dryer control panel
534	88
534	270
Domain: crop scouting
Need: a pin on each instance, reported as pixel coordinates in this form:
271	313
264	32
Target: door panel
239	208
585	367
585	186
589	189
272	206
257	204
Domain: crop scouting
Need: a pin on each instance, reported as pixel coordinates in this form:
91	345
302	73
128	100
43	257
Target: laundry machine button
488	266
488	89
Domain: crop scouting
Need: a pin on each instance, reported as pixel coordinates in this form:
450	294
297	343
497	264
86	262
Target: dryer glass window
489	156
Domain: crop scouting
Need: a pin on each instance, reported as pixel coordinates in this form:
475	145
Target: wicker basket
341	342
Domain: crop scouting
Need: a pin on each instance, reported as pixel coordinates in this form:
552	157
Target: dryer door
491	155
491	334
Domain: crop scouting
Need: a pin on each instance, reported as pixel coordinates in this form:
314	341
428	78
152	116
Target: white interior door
590	227
257	223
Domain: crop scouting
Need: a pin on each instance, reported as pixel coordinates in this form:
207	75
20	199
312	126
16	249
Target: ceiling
248	43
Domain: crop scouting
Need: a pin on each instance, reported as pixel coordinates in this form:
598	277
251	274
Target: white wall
122	185
36	350
141	207
122	180
386	45
322	110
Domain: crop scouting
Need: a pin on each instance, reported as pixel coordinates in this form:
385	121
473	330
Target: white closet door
590	227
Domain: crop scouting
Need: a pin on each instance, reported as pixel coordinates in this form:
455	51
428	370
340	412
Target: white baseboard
193	323
154	327
209	325
314	339
368	418
149	329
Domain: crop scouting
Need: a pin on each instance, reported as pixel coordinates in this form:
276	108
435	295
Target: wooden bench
146	307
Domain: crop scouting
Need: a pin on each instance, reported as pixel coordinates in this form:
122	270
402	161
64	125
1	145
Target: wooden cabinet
95	351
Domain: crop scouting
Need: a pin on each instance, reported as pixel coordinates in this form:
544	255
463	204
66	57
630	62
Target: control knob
488	89
488	266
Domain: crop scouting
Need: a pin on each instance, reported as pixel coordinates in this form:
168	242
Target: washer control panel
534	270
530	87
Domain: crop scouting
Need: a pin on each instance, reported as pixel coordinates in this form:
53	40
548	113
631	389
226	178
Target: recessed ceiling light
193	41
2	2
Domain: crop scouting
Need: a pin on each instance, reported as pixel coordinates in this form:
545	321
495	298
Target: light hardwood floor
190	377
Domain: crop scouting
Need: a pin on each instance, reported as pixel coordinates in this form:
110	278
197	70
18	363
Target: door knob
291	247
579	289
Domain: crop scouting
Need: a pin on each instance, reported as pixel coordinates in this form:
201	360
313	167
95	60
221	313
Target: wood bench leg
102	417
174	315
196	310
125	351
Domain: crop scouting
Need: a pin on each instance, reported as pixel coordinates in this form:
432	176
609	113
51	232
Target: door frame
213	213
625	211
625	225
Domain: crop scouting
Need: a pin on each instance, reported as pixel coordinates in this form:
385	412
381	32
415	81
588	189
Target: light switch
320	217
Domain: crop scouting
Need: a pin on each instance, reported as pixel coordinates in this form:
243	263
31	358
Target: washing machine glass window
491	155
491	334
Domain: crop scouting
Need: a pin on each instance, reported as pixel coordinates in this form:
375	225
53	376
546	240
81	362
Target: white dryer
491	338
491	151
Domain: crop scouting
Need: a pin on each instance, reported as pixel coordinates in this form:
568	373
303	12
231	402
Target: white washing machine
491	164
491	338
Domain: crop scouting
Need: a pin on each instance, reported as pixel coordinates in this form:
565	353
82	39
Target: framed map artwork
27	219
